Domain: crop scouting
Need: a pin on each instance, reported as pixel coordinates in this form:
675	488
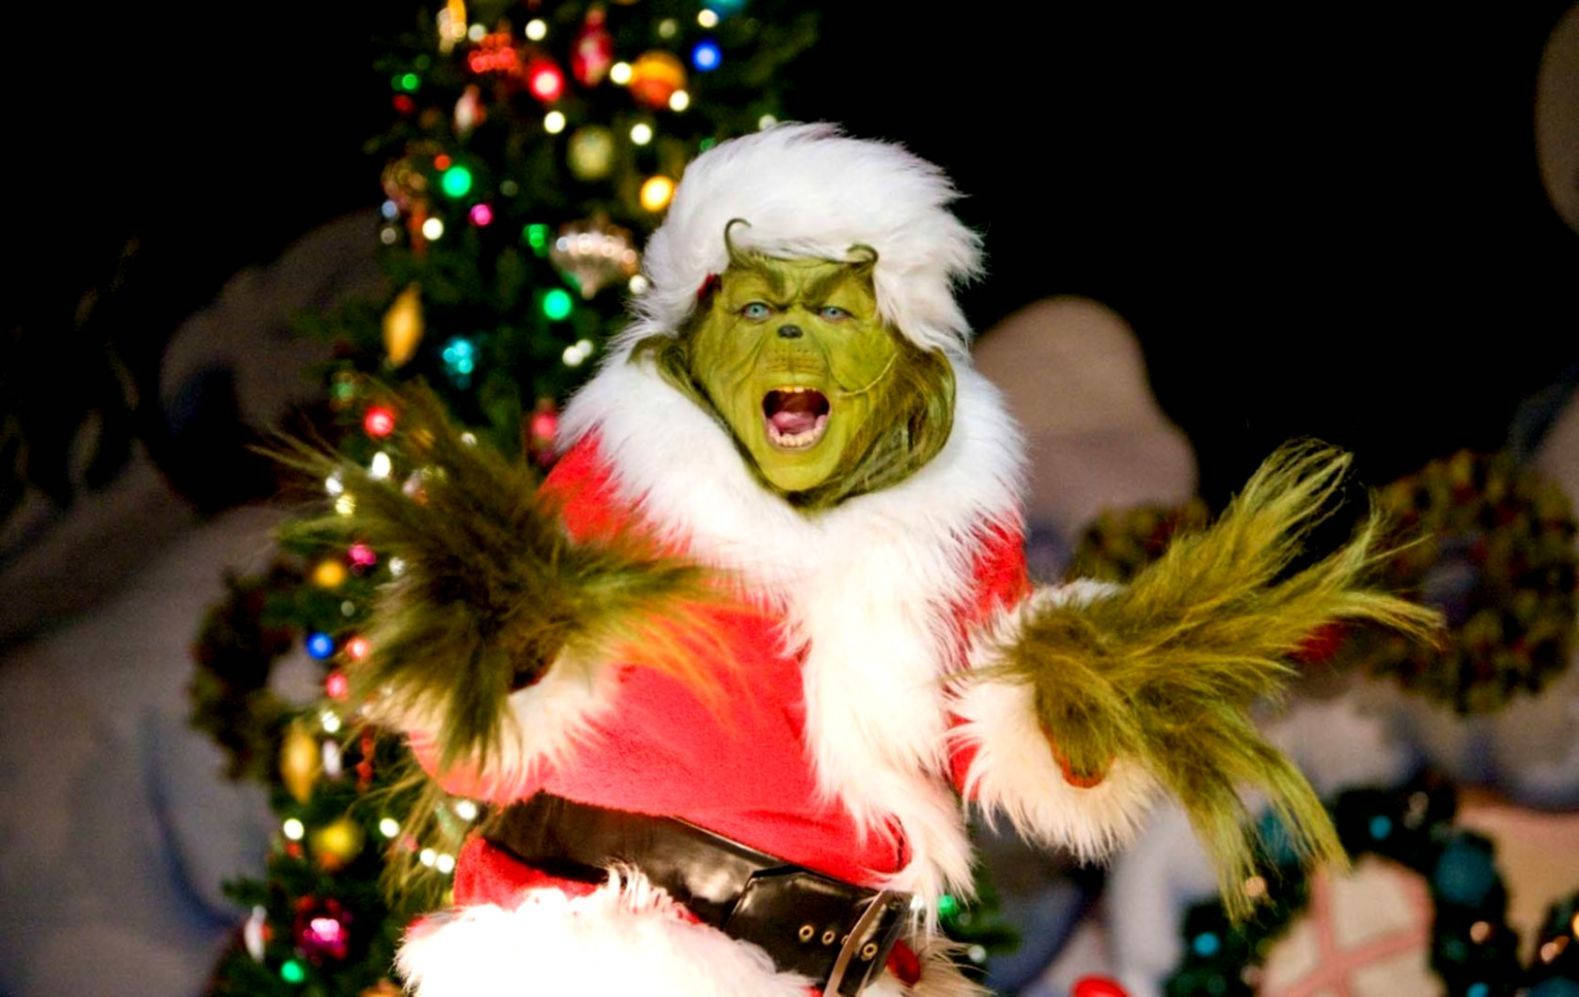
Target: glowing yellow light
330	720
432	229
333	485
667	27
389	827
1255	887
380	466
329	574
465	809
638	284
679	100
572	357
620	73
554	122
1479	932
656	192
469	438
766	121
397	566
476	32
444	864
293	829
427	857
345	504
537	29
1574	926
707	18
388	234
641	133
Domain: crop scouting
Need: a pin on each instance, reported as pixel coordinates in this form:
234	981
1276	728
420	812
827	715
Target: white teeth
798	441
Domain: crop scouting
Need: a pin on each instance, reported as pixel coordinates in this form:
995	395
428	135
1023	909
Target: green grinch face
790	353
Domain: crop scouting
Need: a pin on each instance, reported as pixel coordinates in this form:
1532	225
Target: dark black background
1319	221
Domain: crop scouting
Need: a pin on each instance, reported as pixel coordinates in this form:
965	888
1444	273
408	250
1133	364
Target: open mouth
795	417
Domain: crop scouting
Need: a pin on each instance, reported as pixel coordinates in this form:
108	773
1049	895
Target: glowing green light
708	143
292	971
948	905
457	181
557	304
536	236
408	82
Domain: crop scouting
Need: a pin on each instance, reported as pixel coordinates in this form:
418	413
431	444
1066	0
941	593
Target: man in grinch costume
732	676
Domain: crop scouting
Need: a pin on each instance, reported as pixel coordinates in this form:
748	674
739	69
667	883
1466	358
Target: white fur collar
870	587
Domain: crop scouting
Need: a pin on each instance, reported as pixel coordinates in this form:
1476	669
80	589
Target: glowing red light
335	684
378	422
441	162
545	80
356	649
404	104
482	215
361	555
545	426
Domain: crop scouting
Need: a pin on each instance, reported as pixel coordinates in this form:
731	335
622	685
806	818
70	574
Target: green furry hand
1165	671
493	590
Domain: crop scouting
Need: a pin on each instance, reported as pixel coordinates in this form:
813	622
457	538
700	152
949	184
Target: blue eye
756	310
833	313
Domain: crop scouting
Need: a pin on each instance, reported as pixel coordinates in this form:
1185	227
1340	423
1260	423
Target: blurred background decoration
1207	233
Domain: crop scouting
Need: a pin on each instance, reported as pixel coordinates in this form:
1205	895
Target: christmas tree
531	148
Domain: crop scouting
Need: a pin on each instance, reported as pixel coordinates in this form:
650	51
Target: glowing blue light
706	55
1381	827
460	359
320	645
1206	944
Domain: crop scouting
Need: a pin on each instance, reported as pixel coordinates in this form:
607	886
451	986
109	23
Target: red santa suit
844	740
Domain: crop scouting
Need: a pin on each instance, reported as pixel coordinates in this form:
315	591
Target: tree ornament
403	325
470	111
403	183
335	844
300	762
594	254
590	154
592	52
322	930
451	23
255	932
1496	556
655	77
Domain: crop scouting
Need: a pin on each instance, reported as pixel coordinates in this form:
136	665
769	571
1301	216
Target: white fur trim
545	724
868	587
1014	773
628	937
807	190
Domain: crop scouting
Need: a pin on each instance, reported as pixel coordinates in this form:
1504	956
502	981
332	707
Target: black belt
837	934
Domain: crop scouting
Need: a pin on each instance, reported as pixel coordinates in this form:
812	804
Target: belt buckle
864	934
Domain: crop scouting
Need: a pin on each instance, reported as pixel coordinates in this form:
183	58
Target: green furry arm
1164	671
493	590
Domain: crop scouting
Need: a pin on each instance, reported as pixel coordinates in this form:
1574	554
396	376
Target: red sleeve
1000	580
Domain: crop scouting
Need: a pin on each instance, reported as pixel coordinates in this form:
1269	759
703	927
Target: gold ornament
655	77
300	762
336	843
451	25
591	152
403	325
383	988
594	254
329	574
